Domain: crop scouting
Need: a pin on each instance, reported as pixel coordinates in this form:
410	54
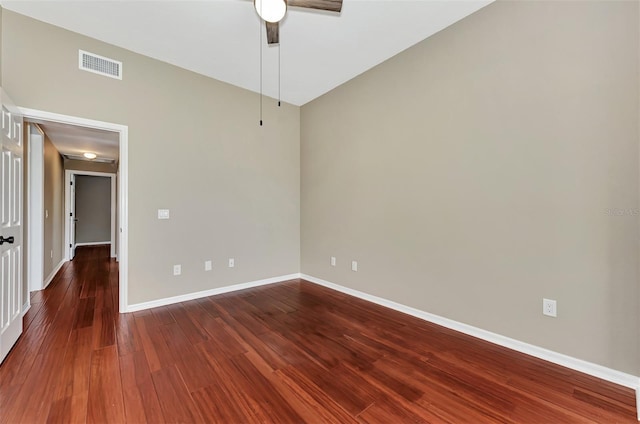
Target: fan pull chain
279	72
260	26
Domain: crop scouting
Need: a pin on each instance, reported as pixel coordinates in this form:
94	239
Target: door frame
123	186
67	208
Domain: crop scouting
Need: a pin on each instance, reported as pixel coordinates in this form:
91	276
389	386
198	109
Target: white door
10	226
72	219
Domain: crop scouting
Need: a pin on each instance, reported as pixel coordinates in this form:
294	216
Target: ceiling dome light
89	155
271	10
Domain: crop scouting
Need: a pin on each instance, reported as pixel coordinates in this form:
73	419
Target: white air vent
99	65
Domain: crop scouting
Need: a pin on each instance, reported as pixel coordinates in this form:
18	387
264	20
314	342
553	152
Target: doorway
119	217
90	210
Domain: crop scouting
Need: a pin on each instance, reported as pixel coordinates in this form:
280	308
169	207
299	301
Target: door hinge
70	182
70	213
69	245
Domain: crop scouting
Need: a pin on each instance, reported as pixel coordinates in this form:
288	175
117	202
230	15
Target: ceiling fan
272	12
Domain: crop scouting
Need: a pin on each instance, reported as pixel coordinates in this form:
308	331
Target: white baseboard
25	308
197	295
93	243
51	276
608	374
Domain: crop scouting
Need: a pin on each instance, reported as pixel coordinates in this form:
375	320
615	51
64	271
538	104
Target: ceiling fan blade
330	5
273	33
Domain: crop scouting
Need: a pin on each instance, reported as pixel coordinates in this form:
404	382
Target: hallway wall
54	208
85	165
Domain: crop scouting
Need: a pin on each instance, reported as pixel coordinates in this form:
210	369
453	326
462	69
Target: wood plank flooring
285	353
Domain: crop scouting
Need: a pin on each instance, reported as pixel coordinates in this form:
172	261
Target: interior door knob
9	240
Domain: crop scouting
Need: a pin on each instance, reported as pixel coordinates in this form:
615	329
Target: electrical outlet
207	265
232	262
549	307
177	269
333	261
354	266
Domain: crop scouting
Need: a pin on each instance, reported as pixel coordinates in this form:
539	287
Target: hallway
67	354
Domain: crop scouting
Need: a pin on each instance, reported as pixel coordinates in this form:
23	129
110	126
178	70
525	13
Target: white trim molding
53	274
123	185
25	308
93	243
599	371
197	295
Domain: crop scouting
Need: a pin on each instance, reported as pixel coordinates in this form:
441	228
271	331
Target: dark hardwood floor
284	353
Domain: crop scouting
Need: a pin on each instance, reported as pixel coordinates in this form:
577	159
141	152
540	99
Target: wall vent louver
99	65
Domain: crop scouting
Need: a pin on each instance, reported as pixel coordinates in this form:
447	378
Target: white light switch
207	265
354	266
163	213
333	261
177	270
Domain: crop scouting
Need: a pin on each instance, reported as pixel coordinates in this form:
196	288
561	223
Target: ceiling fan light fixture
89	155
271	10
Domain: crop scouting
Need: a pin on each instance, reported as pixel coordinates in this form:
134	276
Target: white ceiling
221	38
74	140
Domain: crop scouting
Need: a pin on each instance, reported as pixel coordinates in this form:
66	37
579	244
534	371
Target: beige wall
84	165
54	208
473	174
93	209
195	147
